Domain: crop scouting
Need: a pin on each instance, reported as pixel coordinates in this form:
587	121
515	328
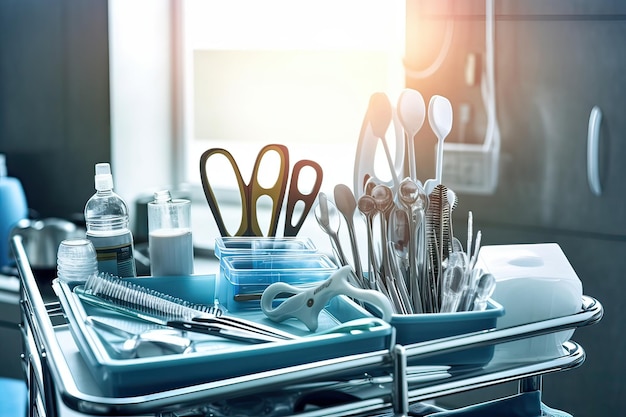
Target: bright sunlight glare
295	72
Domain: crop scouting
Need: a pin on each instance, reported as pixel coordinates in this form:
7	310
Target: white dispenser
534	282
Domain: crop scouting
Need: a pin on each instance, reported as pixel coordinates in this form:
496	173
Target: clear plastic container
76	260
243	279
107	220
170	241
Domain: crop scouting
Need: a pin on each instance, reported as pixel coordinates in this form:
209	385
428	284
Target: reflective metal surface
56	373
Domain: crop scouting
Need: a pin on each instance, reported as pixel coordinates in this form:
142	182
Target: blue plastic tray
218	358
415	328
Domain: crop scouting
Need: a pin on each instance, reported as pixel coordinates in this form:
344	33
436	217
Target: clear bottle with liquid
170	241
107	220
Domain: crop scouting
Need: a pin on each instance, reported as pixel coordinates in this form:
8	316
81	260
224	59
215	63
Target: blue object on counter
13	397
223	358
13	207
415	328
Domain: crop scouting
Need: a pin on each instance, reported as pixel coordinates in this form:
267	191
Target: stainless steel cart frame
57	377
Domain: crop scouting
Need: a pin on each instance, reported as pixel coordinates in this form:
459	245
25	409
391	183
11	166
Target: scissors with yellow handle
250	192
306	303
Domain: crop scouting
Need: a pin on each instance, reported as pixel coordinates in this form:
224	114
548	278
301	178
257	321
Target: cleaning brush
110	292
106	290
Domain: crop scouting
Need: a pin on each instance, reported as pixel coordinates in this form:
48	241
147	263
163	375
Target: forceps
250	192
379	113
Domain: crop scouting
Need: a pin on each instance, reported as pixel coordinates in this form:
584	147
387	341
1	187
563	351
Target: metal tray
59	379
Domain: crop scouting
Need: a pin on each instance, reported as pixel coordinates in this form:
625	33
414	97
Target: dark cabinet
554	61
547	85
54	99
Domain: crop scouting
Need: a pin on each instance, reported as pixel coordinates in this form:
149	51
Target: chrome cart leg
400	393
32	392
531	383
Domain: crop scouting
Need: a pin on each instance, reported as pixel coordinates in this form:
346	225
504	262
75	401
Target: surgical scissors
250	192
295	195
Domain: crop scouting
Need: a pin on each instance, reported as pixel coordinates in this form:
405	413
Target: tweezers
228	330
245	325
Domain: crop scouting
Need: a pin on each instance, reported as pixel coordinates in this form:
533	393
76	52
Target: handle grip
309	302
593	145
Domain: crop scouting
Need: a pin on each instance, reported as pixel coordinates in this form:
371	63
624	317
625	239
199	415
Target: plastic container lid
241	246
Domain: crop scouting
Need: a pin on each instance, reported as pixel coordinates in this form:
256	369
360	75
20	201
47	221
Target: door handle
593	154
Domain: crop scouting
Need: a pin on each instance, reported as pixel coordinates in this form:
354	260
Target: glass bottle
170	241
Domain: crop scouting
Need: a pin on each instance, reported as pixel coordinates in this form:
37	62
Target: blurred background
149	85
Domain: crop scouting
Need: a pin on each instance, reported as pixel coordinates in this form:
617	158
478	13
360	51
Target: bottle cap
103	179
162	196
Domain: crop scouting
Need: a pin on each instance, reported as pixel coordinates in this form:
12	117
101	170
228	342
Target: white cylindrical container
107	220
170	242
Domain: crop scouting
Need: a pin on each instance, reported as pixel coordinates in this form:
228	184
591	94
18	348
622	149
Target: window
295	72
246	73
